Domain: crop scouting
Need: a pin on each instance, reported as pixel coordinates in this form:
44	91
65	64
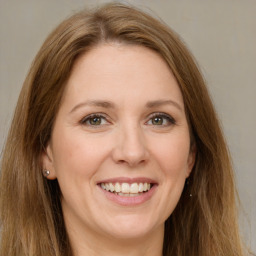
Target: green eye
161	119
157	120
94	120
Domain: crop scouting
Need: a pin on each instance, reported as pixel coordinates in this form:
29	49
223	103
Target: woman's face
120	146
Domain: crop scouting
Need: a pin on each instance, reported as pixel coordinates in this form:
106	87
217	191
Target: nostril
131	163
121	156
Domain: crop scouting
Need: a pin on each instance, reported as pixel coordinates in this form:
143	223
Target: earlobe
48	169
191	159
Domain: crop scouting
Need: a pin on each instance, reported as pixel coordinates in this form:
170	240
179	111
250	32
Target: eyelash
92	116
170	120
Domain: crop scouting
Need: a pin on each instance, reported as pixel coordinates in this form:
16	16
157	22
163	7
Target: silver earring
46	173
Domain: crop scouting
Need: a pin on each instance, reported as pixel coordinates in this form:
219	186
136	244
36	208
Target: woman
115	147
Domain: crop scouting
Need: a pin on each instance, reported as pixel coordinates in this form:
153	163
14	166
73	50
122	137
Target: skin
126	142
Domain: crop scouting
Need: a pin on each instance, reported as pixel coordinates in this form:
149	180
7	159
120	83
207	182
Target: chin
132	227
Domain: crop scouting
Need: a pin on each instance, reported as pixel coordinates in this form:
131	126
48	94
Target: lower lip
130	201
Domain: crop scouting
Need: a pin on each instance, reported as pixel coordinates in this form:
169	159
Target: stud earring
46	173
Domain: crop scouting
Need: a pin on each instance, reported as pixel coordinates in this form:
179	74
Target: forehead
122	72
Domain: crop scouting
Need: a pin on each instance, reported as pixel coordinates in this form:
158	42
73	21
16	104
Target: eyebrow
158	103
107	104
94	103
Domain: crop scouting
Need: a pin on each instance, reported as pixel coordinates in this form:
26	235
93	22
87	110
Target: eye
160	119
94	120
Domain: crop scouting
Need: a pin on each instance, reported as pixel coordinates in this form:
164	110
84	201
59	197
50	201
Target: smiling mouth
126	189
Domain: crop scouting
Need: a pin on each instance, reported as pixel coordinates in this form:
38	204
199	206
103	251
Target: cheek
171	153
171	156
77	154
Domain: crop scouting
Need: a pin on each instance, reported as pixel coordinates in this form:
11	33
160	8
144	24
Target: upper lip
128	180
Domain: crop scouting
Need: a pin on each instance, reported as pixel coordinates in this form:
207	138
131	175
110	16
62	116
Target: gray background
220	33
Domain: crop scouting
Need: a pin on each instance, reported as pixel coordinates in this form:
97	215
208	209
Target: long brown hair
31	216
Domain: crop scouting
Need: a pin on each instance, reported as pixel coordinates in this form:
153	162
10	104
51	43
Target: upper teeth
133	188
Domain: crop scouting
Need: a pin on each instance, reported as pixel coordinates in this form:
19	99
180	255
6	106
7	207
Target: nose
130	147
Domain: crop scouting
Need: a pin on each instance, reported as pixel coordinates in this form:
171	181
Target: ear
47	163
191	159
